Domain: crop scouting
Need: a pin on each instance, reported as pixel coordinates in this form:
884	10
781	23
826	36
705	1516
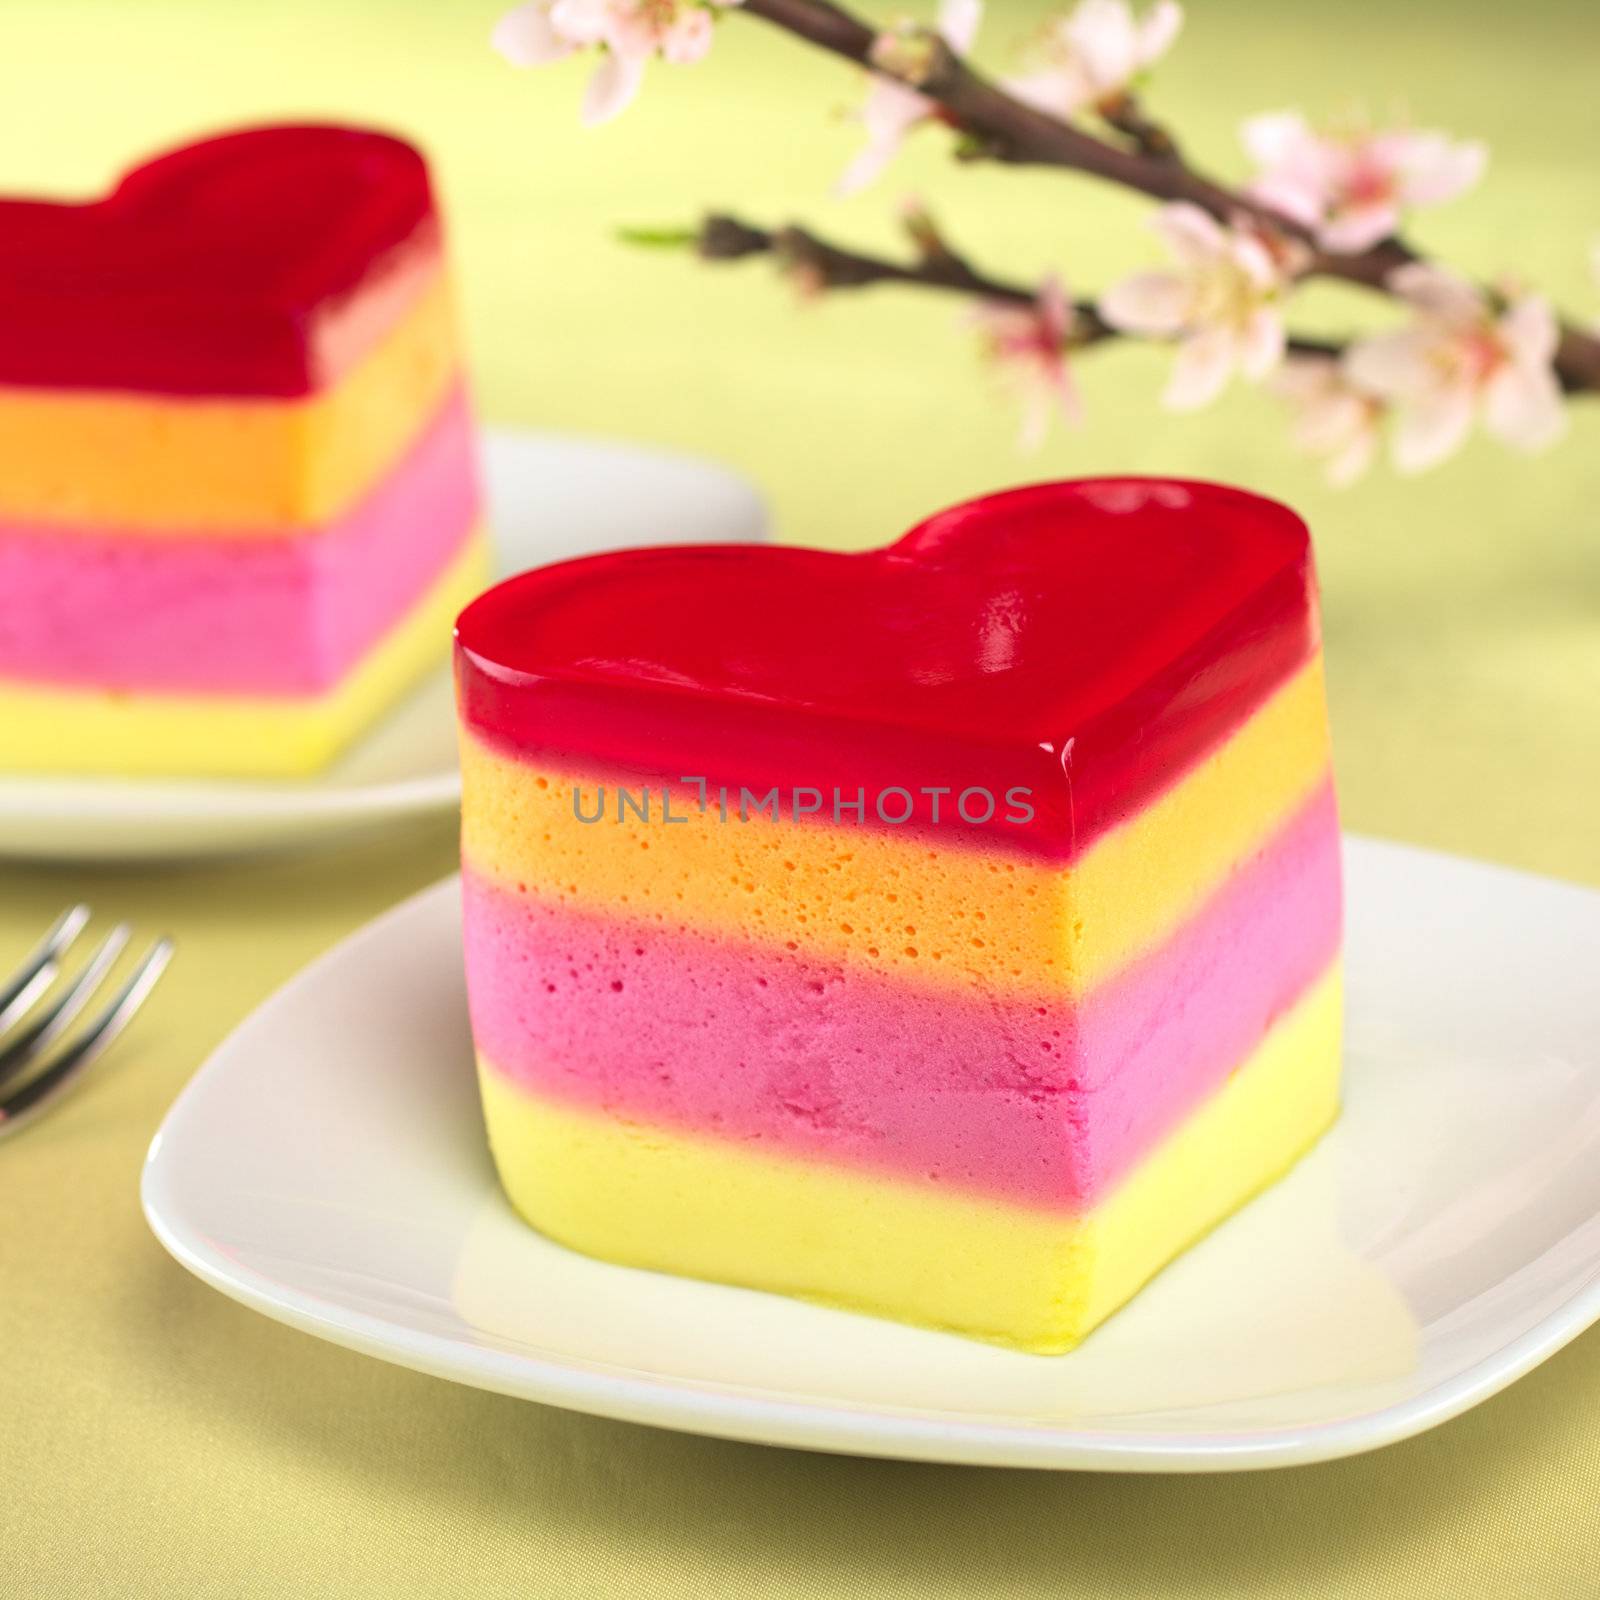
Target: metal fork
26	1040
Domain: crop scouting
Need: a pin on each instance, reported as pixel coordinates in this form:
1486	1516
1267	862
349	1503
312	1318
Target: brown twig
724	238
999	127
830	266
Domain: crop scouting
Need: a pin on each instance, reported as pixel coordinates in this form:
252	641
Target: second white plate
550	497
328	1167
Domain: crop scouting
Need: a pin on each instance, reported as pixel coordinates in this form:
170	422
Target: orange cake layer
226	465
943	910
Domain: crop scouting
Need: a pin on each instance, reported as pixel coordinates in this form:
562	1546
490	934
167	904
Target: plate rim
838	1427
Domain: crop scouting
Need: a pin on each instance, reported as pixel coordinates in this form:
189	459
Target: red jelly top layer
214	268
1084	641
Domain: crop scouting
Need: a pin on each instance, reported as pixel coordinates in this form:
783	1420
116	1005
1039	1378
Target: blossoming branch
1319	202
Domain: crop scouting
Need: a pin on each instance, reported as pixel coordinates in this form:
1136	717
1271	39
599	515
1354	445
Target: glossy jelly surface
216	268
1088	641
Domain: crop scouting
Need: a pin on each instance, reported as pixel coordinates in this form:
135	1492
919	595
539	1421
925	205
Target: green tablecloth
154	1437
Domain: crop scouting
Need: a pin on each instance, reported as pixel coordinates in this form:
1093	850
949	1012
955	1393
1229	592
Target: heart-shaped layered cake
237	494
948	931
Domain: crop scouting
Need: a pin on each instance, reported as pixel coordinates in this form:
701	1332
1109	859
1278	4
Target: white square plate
328	1167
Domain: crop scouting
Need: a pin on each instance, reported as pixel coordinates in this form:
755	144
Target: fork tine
27	1102
32	1041
41	965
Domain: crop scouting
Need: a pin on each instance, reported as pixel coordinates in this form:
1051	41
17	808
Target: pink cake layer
226	613
1038	1101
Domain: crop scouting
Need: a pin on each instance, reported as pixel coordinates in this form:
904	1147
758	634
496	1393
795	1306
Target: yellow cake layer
1033	1279
859	894
234	736
181	464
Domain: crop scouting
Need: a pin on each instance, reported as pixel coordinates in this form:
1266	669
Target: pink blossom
1462	357
1353	188
1220	301
1334	417
892	108
629	32
1029	344
1091	57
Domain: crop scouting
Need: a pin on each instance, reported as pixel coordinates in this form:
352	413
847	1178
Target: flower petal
891	110
1056	314
1046	391
1035	418
1200	371
615	82
1434	427
1058	91
1276	139
1436	169
525	37
688	36
1067	396
1153	303
581	22
1438	292
1529	330
1332	418
1522	406
1298	200
1254	260
959	21
865	169
1101	34
631	31
1160	28
1359	227
1394	365
1351	462
1262	342
1192	235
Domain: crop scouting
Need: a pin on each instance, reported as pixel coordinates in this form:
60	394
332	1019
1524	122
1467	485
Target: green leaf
660	238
